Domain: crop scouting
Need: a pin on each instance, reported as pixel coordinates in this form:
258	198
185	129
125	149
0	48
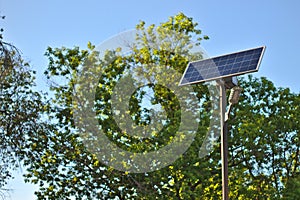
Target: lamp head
235	95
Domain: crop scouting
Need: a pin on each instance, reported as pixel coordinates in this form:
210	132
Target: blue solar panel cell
223	66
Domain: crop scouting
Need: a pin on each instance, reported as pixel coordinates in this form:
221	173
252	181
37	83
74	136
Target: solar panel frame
229	64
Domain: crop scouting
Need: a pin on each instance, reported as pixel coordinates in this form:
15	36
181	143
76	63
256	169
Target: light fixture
234	95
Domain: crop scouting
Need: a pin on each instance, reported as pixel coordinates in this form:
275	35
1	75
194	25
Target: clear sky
232	25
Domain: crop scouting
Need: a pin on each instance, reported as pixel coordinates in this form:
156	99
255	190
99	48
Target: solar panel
223	66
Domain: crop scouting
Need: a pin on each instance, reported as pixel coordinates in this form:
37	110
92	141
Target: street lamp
223	69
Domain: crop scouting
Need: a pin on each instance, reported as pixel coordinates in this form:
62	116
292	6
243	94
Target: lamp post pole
233	99
224	142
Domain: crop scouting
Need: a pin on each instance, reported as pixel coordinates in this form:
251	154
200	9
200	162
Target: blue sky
232	25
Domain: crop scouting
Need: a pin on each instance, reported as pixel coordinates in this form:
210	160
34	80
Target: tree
264	144
20	109
263	159
78	167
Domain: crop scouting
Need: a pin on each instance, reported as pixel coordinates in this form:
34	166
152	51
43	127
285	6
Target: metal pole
224	142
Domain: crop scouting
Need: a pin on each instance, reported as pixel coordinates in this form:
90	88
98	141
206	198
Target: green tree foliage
20	109
292	189
264	129
264	144
63	167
